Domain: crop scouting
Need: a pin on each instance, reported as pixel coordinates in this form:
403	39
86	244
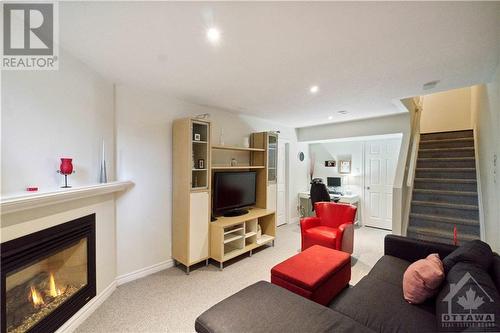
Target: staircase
445	188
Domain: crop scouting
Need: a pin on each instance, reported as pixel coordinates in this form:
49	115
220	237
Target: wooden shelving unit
219	147
192	191
234	236
194	237
237	167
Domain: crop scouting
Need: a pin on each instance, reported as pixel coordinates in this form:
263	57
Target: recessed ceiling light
314	89
430	84
343	112
213	35
330	117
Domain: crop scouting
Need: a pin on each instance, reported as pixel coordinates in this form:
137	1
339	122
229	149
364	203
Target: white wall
366	127
47	115
486	118
144	146
446	111
346	150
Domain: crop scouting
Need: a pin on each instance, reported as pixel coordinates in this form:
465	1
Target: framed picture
345	167
330	164
197	137
201	164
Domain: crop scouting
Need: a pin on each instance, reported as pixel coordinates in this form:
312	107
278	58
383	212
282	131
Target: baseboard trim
78	318
143	272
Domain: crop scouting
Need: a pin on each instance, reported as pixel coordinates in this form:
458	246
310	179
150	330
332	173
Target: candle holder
66	168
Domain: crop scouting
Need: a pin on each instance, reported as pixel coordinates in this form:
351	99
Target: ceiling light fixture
314	89
213	35
330	117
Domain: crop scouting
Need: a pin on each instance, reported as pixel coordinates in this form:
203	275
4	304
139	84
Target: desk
306	207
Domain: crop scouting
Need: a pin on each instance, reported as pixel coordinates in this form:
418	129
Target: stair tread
446	192
447	149
447	169
445	205
439	218
435	232
447	180
446	159
448	140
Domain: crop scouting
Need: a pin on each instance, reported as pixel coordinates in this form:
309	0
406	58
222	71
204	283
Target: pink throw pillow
422	279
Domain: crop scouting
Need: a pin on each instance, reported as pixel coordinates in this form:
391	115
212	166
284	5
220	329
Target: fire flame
36	297
53	291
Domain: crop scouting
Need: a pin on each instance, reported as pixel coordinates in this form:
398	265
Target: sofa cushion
263	307
322	235
468	290
495	270
390	269
380	306
476	251
422	279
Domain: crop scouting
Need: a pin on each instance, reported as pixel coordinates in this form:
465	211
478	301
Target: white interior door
380	168
282	183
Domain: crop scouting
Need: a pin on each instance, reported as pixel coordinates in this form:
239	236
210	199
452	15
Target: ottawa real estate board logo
468	306
30	36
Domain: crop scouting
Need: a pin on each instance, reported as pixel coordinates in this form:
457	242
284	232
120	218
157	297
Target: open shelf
250	234
237	167
219	147
232	231
264	239
231	238
198	141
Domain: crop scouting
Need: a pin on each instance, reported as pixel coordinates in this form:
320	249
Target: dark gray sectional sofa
375	304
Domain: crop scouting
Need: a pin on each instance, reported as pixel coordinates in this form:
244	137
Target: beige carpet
170	301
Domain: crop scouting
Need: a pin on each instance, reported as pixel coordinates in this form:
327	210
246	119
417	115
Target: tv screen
333	182
233	190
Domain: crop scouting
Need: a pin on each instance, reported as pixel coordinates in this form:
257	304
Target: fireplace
47	276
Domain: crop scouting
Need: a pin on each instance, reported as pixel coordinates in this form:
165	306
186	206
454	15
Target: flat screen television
233	191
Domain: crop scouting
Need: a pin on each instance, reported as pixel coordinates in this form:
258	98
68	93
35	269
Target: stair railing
411	165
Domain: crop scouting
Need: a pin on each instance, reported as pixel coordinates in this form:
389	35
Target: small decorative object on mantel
103	177
66	168
234	162
330	164
201	163
345	167
197	137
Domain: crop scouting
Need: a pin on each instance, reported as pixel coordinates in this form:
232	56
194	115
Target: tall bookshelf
191	191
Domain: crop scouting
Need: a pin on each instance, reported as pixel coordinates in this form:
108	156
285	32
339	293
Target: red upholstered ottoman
318	273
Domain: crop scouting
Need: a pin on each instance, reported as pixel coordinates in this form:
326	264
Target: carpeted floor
170	301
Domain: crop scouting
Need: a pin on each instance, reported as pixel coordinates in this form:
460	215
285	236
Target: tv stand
236	212
234	236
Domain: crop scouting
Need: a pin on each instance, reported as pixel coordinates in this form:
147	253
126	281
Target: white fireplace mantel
21	202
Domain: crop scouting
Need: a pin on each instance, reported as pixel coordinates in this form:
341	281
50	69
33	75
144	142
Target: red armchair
332	227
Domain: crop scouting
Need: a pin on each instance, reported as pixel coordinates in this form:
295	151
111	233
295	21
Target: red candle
66	167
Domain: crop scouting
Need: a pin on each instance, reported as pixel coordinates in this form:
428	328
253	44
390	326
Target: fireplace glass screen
36	289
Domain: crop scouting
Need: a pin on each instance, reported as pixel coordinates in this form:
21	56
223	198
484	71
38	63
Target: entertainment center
235	184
